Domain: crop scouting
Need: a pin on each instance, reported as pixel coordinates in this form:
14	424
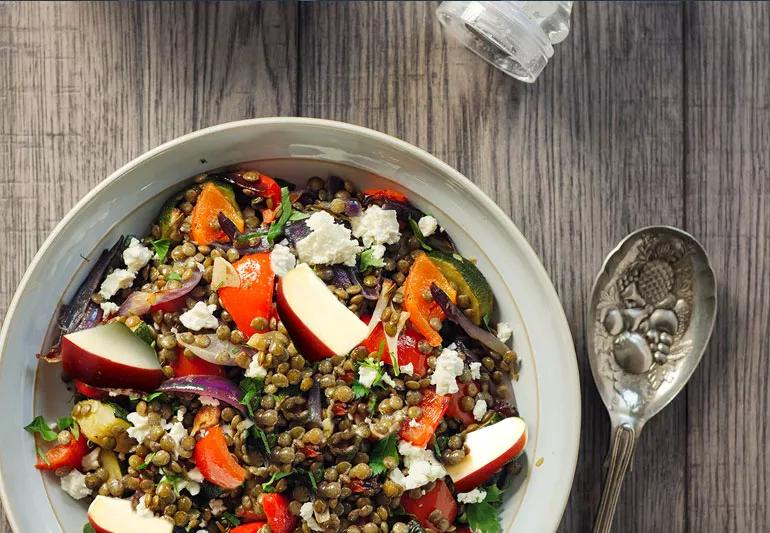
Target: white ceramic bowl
295	149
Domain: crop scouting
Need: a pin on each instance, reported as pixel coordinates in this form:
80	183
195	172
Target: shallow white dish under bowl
548	391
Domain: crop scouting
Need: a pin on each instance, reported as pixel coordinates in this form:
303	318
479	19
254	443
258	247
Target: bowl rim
427	158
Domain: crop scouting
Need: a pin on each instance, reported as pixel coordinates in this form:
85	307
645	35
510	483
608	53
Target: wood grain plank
728	208
85	87
588	153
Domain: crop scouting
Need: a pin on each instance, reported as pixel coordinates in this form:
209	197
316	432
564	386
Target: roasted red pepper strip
70	454
254	297
407	347
454	409
438	498
194	366
88	391
433	407
276	507
252	527
215	461
386	194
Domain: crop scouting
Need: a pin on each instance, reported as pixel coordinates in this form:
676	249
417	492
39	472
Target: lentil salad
254	415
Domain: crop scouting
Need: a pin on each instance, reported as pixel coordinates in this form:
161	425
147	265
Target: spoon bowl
651	315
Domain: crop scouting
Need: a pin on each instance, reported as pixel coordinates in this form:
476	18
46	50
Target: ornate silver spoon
650	318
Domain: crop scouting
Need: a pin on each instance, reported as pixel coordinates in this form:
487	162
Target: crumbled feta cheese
428	225
121	392
448	367
181	412
116	280
282	260
255	370
142	510
185	484
217	507
407	369
90	461
199	317
108	309
367	375
208	400
475	370
504	331
480	409
328	243
376	226
388	380
413	423
177	432
306	513
141	426
378	251
422	464
74	484
474	496
195	475
136	255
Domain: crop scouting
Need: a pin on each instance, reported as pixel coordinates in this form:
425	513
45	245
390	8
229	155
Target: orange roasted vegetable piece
213	199
423	273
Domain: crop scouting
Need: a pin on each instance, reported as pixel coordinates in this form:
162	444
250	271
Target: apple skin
310	346
130	521
99	371
464	480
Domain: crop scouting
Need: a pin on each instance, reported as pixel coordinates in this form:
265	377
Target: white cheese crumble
422	464
177	432
378	251
109	309
181	412
428	225
74	484
116	280
306	513
474	496
448	367
199	317
136	255
141	426
504	331
407	369
208	400
376	226
195	475
480	409
185	484
142	510
367	375
413	423
217	507
255	370
282	260
90	461
475	370
328	243
389	380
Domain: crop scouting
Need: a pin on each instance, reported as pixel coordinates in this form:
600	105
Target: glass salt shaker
516	37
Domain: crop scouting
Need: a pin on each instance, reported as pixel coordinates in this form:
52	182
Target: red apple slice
111	355
489	448
319	324
114	515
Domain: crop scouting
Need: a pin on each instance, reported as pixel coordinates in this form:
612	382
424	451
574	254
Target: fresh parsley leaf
260	435
269	485
245	239
436	449
298	215
88	528
144	332
161	247
277	227
418	235
319	474
174	276
157	395
251	387
119	411
69	423
40	426
380	349
359	391
372	404
230	519
41	454
367	259
387	447
440	444
494	494
145	464
482	517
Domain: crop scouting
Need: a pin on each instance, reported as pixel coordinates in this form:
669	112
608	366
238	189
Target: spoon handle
621	451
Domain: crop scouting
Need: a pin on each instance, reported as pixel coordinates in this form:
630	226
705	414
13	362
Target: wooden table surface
648	113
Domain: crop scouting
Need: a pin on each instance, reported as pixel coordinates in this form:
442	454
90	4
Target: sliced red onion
215	386
228	226
296	230
137	303
184	289
314	403
403	211
385	294
454	314
307	197
215	346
